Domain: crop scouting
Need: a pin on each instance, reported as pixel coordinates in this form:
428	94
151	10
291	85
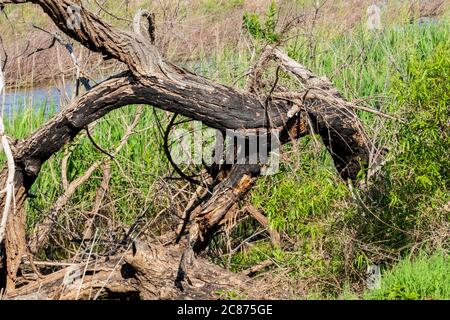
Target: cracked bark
150	80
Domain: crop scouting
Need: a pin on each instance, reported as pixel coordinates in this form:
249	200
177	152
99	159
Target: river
16	100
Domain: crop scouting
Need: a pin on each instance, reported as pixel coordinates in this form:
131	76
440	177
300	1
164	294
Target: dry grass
190	31
187	30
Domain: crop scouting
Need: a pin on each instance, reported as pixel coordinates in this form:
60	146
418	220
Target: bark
42	230
145	272
150	80
225	195
15	247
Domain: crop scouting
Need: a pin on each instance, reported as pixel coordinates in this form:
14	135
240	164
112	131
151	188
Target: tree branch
150	80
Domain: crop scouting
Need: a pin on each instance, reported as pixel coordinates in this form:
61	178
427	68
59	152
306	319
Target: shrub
406	204
263	30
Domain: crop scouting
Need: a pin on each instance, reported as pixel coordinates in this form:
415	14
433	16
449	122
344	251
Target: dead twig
257	268
262	219
42	230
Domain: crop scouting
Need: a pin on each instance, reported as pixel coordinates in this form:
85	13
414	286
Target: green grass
335	237
219	6
306	194
141	161
423	277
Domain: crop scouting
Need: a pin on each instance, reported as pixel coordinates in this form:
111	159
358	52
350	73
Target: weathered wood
332	117
175	90
234	187
264	221
147	271
317	108
15	247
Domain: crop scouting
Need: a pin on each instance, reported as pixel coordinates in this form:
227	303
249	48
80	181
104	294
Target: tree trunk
172	272
146	271
14	246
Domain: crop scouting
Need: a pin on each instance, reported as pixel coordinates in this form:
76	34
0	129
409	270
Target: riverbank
187	31
329	233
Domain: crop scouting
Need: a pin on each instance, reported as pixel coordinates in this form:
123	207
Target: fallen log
317	108
145	271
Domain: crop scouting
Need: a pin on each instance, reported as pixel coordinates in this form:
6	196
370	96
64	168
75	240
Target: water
51	96
16	100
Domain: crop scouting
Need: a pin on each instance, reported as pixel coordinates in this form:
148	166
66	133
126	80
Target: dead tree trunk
318	108
147	271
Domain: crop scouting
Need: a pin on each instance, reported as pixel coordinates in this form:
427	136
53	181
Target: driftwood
150	80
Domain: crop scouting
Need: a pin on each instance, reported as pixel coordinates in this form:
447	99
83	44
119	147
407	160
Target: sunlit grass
306	200
423	277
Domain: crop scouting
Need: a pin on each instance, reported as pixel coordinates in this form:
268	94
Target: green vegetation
407	205
422	278
215	6
333	231
262	30
140	165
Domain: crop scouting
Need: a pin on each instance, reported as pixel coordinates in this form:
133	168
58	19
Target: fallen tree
171	271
